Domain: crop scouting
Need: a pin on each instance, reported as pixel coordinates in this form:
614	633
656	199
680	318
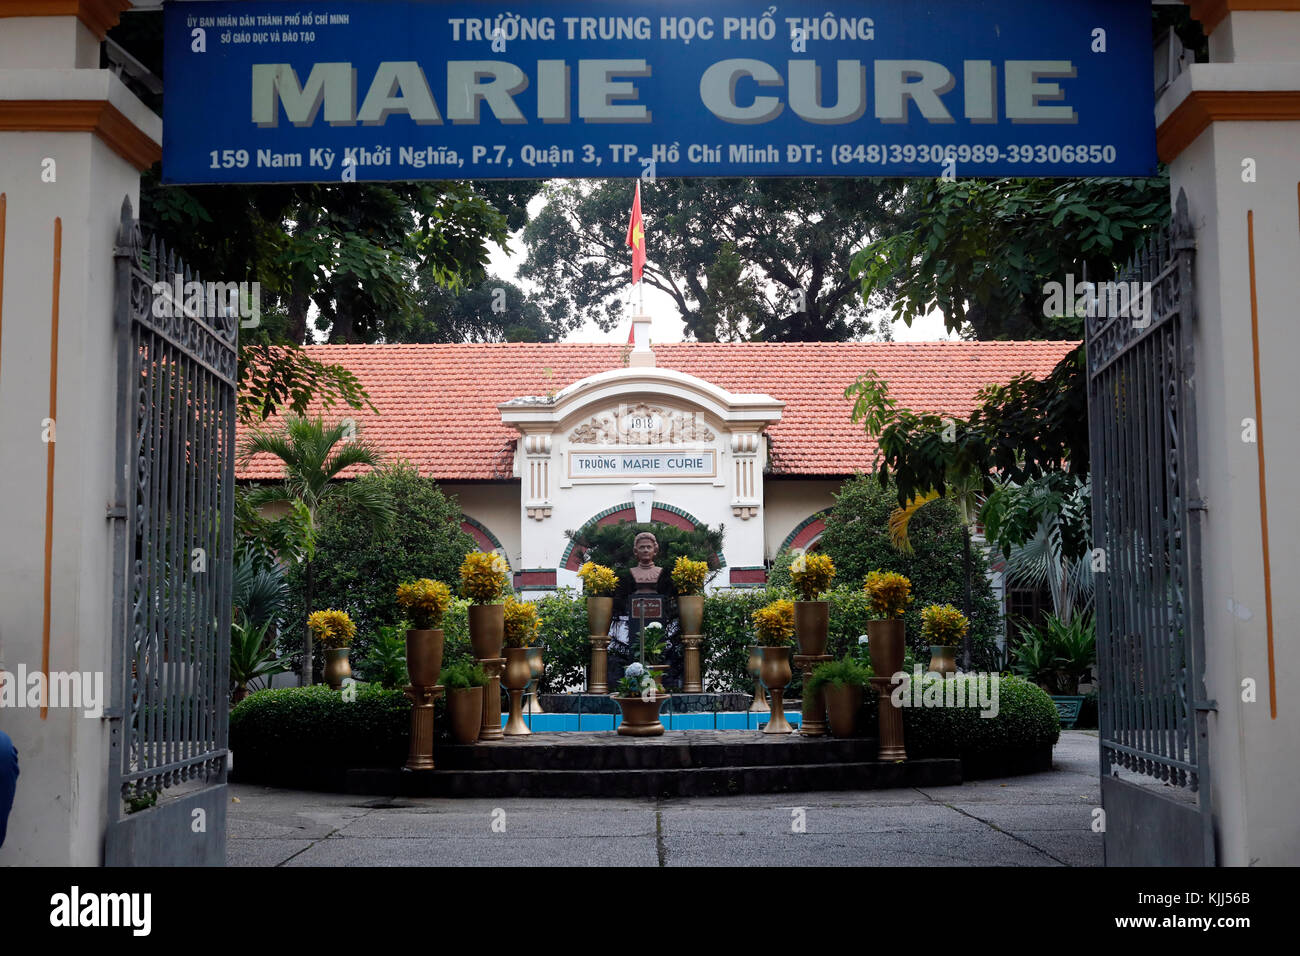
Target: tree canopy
742	259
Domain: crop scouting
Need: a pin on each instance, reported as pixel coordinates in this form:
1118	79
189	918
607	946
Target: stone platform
678	764
678	703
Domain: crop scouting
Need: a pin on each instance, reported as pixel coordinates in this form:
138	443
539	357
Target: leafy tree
611	544
495	311
314	455
1044	529
1021	430
982	251
359	564
858	540
761	259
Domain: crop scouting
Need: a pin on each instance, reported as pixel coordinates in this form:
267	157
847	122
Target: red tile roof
438	403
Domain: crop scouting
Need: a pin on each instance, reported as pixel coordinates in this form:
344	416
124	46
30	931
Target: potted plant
465	681
842	685
425	602
639	700
689	577
943	627
251	657
483	581
598	584
521	624
889	594
811	575
1058	657
774	625
335	631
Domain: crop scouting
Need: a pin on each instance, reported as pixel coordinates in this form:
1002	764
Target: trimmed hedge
308	736
1026	720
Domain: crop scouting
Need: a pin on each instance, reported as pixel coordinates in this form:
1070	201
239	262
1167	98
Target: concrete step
672	782
675	750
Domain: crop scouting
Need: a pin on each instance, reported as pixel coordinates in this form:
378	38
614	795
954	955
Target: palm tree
314	455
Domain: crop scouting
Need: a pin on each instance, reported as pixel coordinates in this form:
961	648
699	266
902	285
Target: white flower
862	638
655	625
634	670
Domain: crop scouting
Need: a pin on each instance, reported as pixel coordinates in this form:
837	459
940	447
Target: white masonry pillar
1230	130
73	141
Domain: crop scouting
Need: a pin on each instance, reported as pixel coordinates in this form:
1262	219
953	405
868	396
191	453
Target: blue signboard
293	91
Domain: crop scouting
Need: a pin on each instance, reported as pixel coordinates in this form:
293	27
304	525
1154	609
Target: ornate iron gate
174	527
1155	765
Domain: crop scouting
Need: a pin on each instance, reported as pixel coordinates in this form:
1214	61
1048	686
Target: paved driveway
1039	820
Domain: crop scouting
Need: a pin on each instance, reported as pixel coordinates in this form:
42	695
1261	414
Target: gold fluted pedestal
891	722
596	682
422	698
492	698
692	680
813	723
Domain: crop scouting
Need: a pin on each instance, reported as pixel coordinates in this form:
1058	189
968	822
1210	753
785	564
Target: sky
666	325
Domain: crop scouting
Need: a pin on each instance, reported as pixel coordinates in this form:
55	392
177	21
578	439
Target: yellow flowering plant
597	580
812	574
334	629
689	576
483	577
522	623
942	625
775	623
888	593
425	601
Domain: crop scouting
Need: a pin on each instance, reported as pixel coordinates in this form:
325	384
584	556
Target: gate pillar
1230	130
73	142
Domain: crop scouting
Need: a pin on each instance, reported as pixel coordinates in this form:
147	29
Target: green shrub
857	539
384	662
1026	720
728	633
358	569
308	735
565	645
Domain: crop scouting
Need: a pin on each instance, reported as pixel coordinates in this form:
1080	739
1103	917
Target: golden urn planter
536	666
811	623
641	716
759	704
690	613
424	656
843	703
337	666
886	643
487	630
776	674
515	678
600	611
943	660
465	712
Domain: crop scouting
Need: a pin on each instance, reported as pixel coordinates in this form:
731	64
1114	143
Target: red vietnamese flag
636	237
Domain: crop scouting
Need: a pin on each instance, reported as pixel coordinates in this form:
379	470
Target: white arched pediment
686	442
729	410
